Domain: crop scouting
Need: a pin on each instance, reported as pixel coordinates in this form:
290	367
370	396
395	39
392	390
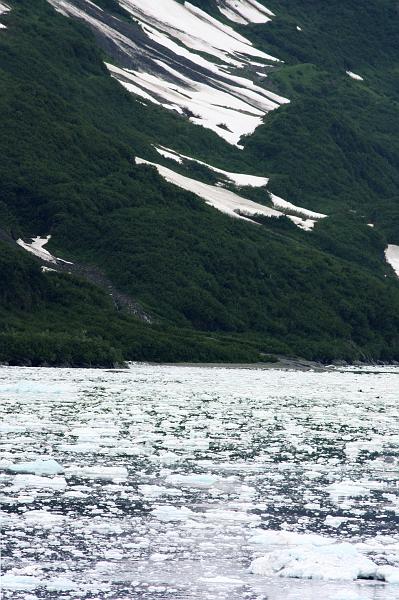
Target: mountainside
215	180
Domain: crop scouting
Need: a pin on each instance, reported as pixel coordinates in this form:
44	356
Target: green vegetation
219	289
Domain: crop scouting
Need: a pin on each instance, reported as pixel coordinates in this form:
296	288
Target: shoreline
282	364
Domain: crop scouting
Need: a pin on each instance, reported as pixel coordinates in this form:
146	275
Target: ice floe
41	466
236	469
339	561
22	481
98	472
172	513
202	481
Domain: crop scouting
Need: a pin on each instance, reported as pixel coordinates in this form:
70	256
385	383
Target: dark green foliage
220	289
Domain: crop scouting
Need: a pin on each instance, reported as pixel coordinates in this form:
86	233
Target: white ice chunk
338	562
348	489
22	481
193	480
172	513
60	584
40	466
289	538
19	582
231	515
99	472
43	518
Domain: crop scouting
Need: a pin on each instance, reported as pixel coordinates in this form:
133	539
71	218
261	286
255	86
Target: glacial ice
235	468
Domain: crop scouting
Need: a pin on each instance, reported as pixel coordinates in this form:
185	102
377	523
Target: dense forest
217	289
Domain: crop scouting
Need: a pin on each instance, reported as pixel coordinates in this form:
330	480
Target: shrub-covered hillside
217	288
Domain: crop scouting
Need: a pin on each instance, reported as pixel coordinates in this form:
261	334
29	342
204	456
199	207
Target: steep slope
75	143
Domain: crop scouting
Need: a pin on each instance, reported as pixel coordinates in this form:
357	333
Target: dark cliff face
215	288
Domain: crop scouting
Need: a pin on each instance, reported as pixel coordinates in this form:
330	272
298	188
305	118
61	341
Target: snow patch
238	179
223	200
168	67
229	110
288	206
244	11
3	9
392	257
354	76
36	247
196	29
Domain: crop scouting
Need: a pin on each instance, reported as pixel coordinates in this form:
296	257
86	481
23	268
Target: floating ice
258	425
194	481
60	584
349	489
289	538
339	562
19	582
231	515
99	472
335	522
36	481
43	518
172	513
38	467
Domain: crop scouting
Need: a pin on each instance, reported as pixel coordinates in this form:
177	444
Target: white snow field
231	203
163	61
392	257
199	483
